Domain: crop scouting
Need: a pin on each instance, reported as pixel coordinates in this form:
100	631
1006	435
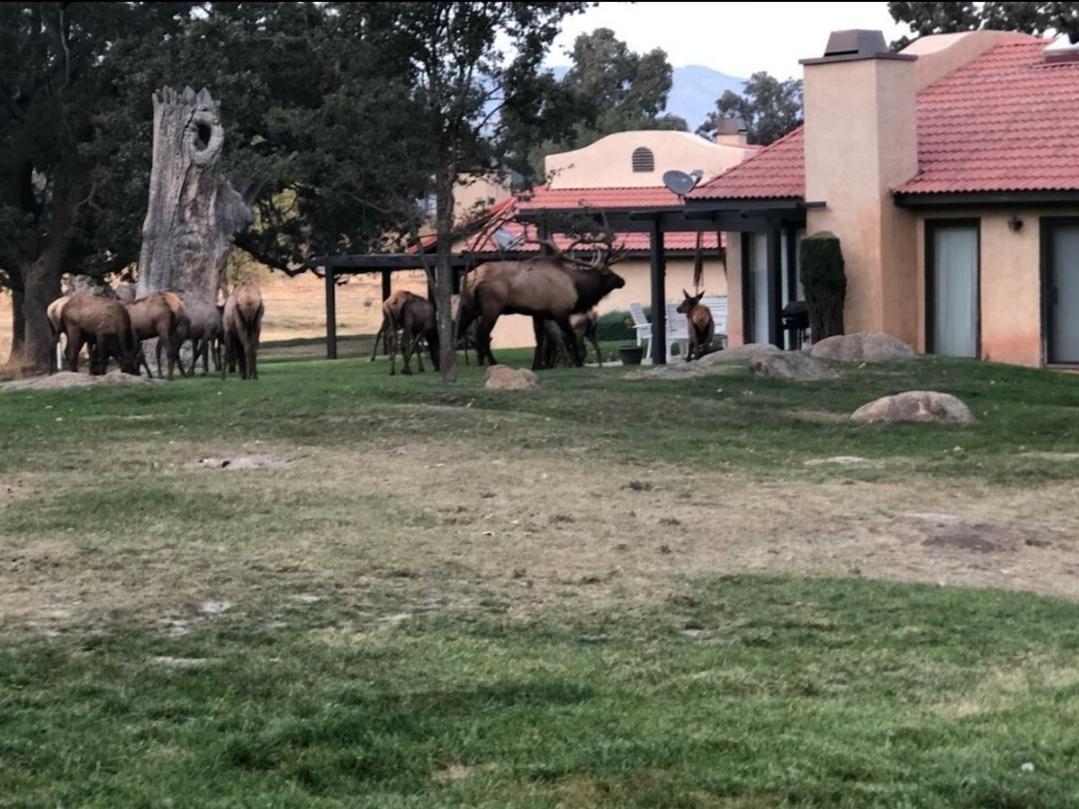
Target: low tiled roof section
544	198
1006	121
775	172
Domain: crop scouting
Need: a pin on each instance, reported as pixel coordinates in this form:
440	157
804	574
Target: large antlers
601	247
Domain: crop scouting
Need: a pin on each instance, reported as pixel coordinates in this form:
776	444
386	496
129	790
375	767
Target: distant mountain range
694	91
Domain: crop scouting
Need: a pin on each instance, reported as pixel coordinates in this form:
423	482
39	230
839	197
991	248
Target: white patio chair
643	327
717	305
677	331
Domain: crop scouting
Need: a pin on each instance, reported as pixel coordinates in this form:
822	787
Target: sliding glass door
1060	268
952	309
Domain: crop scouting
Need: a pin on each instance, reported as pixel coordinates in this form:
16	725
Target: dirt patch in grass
64	380
424	527
234	462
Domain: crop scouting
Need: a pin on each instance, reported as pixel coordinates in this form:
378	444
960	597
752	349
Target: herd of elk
95	320
549	287
702	327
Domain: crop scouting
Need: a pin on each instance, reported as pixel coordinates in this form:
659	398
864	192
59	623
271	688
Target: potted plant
631	355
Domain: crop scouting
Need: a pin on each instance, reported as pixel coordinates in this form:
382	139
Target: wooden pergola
702	216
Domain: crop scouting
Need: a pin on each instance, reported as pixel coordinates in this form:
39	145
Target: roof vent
1061	50
855	42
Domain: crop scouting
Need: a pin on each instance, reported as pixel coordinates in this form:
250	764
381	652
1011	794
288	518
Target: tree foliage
608	89
925	18
769	107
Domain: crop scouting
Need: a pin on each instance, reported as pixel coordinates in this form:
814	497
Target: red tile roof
1005	121
606	198
775	172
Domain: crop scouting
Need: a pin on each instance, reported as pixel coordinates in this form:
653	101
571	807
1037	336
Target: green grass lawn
451	597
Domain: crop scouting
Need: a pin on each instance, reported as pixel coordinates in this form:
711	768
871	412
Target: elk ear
686	294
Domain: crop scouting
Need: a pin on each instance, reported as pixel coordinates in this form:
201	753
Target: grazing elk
53	313
161	315
555	352
387	332
204	332
416	321
106	325
242	324
546	287
701	326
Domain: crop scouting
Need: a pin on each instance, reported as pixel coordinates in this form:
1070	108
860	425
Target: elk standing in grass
204	331
415	319
53	313
387	332
555	352
701	326
242	324
106	325
160	315
551	287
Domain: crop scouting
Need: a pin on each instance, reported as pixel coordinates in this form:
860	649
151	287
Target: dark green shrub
618	325
820	262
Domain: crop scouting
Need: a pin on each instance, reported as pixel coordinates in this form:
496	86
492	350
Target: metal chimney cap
730	126
855	44
858	41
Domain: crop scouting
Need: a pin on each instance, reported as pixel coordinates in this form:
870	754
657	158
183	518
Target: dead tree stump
193	211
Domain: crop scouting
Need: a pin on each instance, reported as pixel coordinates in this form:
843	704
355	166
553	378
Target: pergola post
775	263
659	293
331	313
386	288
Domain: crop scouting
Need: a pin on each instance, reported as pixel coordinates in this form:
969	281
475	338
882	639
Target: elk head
686	306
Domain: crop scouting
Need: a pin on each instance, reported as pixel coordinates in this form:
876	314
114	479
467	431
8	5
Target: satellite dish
680	183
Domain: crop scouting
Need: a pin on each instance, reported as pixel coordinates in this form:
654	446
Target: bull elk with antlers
548	287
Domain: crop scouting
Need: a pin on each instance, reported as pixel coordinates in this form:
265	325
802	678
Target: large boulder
502	377
917	406
863	346
792	365
739	354
717	362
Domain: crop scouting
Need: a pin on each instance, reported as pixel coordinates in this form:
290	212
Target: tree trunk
18	323
193	211
444	275
41	277
41	286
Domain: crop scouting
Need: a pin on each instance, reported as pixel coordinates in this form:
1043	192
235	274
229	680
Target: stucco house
616	175
950	173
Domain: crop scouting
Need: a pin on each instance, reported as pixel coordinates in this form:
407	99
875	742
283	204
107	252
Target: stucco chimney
731	132
860	142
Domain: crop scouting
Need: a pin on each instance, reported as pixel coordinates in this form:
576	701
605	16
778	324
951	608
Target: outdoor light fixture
1015	224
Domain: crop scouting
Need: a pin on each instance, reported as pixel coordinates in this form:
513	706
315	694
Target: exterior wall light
1015	224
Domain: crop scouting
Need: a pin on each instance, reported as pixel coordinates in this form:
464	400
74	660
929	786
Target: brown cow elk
53	313
701	326
416	321
387	332
204	332
546	287
242	324
161	315
106	325
555	352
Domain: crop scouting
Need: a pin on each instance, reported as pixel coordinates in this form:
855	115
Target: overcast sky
734	38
